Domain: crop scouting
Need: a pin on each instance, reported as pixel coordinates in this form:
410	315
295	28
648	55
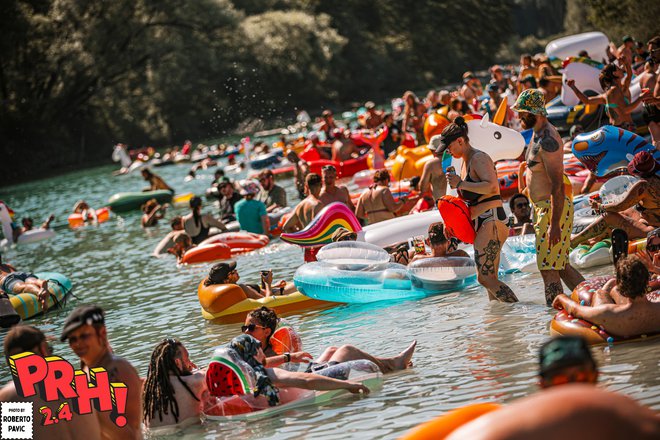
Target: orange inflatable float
441	427
228	303
456	215
76	220
565	324
239	242
203	253
434	124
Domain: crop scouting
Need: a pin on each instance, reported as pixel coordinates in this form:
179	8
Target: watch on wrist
287	356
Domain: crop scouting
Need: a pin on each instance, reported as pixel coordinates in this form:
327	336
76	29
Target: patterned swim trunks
552	257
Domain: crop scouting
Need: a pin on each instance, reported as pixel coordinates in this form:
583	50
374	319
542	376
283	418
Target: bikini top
472	198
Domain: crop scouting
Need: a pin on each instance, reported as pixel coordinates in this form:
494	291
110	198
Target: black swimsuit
472	199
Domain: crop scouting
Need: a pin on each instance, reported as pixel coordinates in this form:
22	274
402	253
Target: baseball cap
343	234
369	105
439	143
562	352
83	315
219	272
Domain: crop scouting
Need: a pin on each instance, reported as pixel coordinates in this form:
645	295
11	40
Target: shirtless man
332	193
652	107
181	402
373	117
545	184
343	148
27	338
433	177
14	282
85	331
300	172
638	213
629	312
308	208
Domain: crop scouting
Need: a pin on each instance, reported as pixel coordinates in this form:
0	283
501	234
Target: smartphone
451	170
418	244
264	274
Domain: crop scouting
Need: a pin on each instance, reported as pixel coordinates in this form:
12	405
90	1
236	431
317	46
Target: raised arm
595	100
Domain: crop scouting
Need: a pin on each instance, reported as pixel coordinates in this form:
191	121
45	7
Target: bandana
247	347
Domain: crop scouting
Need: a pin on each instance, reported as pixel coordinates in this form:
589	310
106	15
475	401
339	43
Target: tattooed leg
551	291
505	294
599	227
486	260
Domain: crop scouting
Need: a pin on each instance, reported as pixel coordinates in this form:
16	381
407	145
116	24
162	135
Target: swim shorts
552	257
15	277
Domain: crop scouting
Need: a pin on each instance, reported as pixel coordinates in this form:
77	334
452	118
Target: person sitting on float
13	282
262	322
198	225
616	97
152	211
627	313
226	273
566	359
638	212
441	245
268	381
88	214
28	223
522	225
155	182
478	186
313	143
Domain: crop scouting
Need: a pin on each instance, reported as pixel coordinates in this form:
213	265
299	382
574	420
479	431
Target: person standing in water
553	208
478	186
198	225
376	204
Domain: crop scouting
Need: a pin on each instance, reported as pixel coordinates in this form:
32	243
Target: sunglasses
521	205
655	247
250	328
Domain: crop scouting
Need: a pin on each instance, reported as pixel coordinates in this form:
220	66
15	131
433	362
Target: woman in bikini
478	186
616	96
413	116
377	204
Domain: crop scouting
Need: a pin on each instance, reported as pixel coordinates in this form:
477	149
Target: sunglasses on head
250	328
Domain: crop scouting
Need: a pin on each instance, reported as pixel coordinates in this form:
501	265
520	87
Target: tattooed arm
554	168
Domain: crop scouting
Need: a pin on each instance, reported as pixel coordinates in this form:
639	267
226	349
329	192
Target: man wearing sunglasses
87	335
24	338
521	210
626	310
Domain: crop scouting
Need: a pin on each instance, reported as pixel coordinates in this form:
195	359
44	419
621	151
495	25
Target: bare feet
403	360
43	296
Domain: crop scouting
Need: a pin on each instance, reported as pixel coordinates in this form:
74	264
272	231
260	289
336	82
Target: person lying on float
226	273
627	312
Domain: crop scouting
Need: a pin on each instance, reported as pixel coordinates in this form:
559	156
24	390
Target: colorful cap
532	101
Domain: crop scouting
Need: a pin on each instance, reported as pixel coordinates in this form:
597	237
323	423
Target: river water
469	350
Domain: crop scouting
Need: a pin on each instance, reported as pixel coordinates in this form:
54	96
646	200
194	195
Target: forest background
76	76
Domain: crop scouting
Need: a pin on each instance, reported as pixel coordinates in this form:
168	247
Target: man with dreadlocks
85	331
173	392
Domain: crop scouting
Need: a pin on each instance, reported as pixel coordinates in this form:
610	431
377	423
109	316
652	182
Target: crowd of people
174	389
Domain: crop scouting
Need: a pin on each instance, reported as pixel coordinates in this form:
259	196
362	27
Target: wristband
287	355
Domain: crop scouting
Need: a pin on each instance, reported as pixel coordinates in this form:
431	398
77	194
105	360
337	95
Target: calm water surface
470	350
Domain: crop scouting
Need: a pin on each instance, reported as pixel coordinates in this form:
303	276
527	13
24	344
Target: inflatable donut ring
456	215
565	324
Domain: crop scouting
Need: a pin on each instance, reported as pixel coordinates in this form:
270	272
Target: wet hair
196	202
23	338
632	277
149	205
455	130
437	234
158	392
606	77
313	180
266	317
512	200
381	176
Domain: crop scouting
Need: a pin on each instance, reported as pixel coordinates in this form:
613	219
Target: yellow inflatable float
228	303
409	162
27	304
